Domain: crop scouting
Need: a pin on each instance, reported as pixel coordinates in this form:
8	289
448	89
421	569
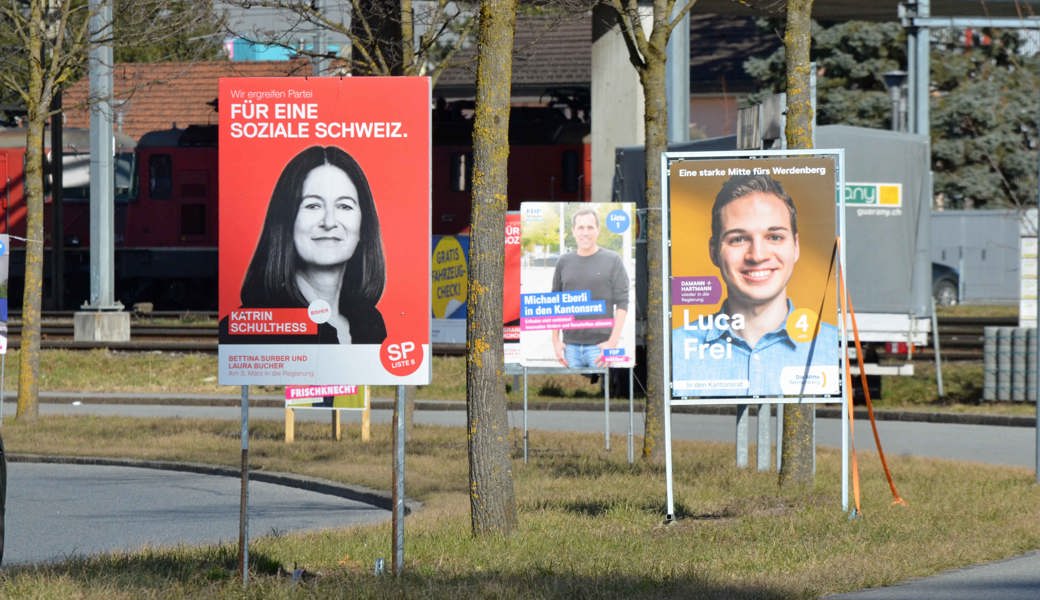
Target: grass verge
186	373
590	524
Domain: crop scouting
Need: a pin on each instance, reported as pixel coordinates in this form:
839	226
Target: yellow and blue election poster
752	289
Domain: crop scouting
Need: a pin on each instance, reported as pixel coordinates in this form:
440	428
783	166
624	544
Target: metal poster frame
667	158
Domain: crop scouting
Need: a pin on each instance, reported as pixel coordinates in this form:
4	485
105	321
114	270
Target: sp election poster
324	231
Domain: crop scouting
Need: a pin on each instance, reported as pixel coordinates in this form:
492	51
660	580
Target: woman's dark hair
270	279
739	186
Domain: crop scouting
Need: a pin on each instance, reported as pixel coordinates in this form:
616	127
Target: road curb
276	401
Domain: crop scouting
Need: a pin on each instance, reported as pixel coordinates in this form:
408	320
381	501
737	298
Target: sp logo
400	357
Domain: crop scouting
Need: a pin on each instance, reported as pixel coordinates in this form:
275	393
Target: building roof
552	52
548	52
160	96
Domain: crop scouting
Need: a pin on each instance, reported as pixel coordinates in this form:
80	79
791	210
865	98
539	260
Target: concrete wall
617	100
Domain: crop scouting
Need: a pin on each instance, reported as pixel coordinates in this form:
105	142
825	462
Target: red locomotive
166	201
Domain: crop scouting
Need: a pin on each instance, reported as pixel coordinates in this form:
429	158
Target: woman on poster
320	248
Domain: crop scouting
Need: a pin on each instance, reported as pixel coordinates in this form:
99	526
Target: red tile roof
159	96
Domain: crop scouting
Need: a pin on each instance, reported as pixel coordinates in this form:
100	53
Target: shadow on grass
214	573
549	583
562	464
185	566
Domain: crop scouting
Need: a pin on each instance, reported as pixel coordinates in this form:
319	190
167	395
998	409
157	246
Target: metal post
525	415
669	487
677	79
845	455
779	435
102	150
398	499
243	507
742	436
606	409
631	415
765	444
922	73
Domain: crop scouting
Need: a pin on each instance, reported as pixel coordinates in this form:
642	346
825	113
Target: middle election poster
577	285
753	296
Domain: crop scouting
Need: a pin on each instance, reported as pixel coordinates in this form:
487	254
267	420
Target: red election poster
324	231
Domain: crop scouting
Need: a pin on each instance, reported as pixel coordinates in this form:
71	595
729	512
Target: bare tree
386	37
47	37
647	51
492	499
797	460
47	51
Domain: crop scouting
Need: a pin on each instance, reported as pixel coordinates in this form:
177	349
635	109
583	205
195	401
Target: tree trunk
492	499
798	443
652	78
37	102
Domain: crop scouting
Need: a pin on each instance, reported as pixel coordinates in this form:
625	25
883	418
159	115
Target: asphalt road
60	511
1010	446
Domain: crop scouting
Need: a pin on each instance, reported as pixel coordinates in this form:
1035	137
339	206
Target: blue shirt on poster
714	362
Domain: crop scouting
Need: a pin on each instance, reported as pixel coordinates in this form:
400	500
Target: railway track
960	338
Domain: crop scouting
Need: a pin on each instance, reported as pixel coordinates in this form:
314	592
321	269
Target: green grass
590	525
186	373
196	373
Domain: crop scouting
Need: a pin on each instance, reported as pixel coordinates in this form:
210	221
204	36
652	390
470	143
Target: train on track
166	200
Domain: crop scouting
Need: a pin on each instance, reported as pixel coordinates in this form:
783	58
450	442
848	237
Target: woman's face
328	221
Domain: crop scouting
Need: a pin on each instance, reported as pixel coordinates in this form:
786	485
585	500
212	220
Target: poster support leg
290	425
366	417
779	434
525	415
845	448
606	409
337	426
742	436
631	416
669	488
398	494
765	445
243	507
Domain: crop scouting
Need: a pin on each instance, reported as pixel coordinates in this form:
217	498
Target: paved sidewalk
1013	579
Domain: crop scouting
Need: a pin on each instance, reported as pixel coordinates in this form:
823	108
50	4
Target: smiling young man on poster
758	343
